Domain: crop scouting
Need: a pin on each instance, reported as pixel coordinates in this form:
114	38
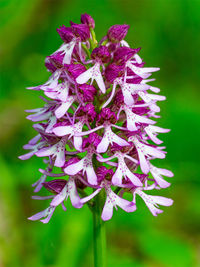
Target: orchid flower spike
97	128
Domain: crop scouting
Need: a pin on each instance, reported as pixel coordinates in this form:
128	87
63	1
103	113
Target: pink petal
155	211
154	89
58	199
26	156
143	119
134	179
125	204
103	145
47	151
100	82
85	76
157	97
63	130
74	168
60	159
86	199
78	143
159	129
39	215
160	181
47	219
60	111
154	152
143	162
39	117
118	140
164	201
128	99
165	172
91	175
107	210
117	177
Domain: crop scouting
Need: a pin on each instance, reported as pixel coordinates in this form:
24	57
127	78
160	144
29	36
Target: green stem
86	49
99	233
93	41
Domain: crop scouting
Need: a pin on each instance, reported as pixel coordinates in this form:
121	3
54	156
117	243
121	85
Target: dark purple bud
75	69
70	162
88	110
123	54
140	65
136	80
112	47
104	173
142	177
93	139
65	33
116	33
55	59
87	92
106	115
62	123
124	149
140	110
113	71
55	186
119	98
101	53
87	19
80	30
49	65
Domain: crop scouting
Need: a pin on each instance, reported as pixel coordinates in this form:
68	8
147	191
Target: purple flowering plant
97	128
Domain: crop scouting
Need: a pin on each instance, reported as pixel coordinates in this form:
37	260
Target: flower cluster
96	126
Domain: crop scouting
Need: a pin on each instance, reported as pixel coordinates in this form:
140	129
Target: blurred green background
168	32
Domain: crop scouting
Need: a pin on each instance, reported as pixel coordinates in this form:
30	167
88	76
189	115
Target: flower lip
55	186
116	33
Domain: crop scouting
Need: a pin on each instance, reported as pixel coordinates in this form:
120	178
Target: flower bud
113	71
65	33
54	61
87	19
93	138
80	30
55	186
116	33
76	69
106	115
123	54
101	53
87	92
104	173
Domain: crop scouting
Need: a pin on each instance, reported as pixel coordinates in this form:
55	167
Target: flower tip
88	20
117	33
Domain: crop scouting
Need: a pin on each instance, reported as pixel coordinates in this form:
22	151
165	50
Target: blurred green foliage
168	32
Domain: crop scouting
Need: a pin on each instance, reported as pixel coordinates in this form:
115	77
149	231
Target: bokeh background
168	32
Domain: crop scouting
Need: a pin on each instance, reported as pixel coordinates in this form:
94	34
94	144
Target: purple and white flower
96	126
